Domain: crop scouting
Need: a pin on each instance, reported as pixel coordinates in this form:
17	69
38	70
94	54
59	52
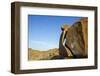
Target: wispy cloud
38	42
41	45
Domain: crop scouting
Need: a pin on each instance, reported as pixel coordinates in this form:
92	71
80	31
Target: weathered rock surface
77	38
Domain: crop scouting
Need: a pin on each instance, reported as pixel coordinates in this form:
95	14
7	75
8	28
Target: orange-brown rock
77	38
74	40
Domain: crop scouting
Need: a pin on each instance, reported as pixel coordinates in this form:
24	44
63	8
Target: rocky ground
43	55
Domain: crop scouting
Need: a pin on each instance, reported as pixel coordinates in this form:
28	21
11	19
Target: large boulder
77	38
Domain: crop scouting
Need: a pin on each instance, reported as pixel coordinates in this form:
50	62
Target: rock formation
74	40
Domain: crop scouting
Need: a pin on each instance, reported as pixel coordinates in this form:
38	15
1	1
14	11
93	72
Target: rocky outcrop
77	39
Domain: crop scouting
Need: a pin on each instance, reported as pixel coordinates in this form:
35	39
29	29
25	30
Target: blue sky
44	31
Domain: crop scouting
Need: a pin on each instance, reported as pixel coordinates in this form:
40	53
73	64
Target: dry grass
42	55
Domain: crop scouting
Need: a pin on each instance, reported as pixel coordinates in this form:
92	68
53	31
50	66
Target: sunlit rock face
77	38
73	41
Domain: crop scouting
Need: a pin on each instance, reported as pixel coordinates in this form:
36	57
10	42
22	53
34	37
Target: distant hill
43	55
